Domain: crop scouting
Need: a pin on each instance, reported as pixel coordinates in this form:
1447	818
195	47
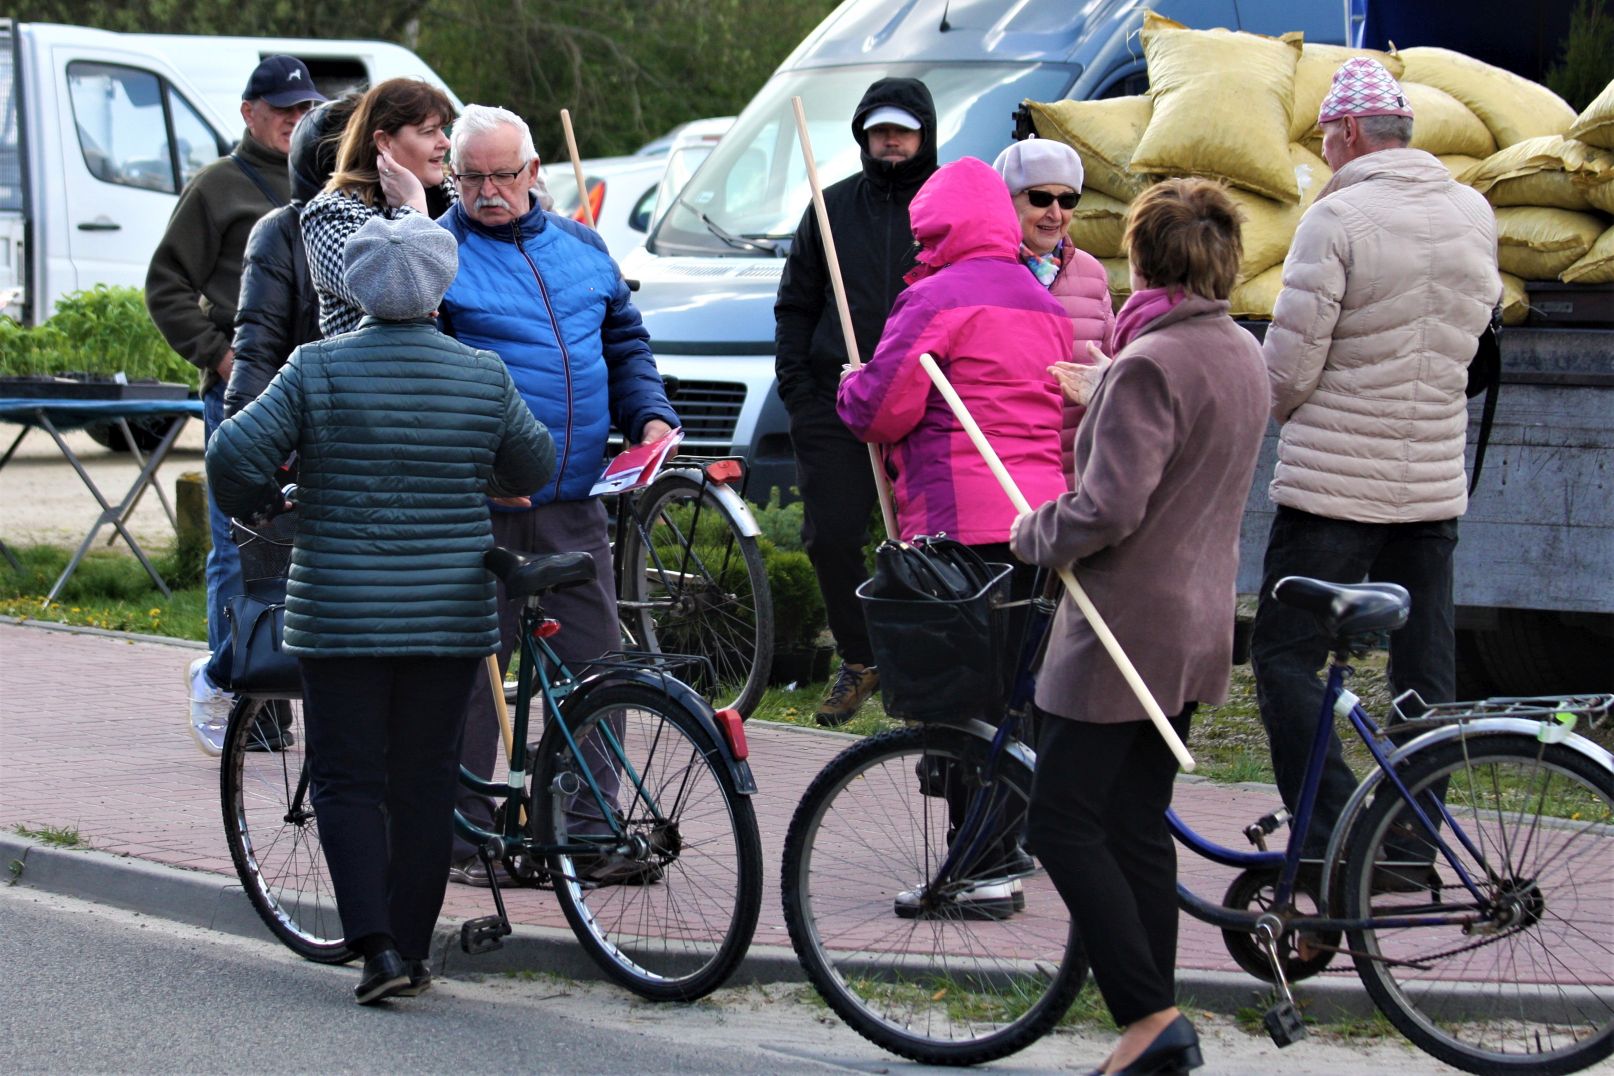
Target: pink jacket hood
963	211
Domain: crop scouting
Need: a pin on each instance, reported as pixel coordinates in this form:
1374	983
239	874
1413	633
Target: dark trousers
1289	646
1098	823
588	628
838	497
383	757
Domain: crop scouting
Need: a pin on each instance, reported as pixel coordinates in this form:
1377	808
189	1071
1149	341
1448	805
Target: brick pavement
93	737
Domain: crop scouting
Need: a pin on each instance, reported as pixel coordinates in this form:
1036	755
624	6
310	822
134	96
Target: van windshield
749	196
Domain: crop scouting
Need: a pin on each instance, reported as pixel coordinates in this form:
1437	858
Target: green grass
108	590
55	836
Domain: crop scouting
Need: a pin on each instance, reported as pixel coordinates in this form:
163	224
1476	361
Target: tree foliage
1587	65
627	69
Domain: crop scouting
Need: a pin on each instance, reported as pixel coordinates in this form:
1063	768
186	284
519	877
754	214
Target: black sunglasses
1044	199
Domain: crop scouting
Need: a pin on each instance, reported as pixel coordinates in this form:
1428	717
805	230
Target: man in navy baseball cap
278	93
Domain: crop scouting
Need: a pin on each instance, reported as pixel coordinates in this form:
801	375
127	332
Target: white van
100	131
710	269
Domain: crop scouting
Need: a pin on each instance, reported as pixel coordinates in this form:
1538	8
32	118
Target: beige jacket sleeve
1302	331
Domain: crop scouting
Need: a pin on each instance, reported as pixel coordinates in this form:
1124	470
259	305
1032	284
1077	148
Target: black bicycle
633	806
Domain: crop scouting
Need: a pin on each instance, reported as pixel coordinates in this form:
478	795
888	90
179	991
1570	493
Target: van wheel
148	434
1538	652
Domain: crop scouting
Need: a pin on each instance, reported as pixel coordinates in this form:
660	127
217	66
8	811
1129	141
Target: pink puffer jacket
994	330
1083	289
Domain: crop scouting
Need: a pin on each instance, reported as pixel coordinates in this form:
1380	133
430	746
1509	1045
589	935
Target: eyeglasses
1044	199
477	179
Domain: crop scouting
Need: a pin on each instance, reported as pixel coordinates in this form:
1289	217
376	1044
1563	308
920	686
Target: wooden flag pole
577	167
1068	577
882	484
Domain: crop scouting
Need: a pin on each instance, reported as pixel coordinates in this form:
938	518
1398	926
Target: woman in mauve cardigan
1164	459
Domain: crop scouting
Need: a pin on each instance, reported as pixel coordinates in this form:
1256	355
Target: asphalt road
92	989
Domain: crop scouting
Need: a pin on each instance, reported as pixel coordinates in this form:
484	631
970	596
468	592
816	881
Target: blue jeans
1289	646
223	562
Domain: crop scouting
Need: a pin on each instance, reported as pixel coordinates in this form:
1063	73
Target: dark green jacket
194	281
401	433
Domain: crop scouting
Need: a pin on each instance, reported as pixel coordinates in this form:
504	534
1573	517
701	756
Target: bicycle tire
924	987
678	930
1536	994
692	583
270	829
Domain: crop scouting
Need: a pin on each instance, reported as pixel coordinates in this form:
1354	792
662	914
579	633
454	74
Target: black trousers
838	497
1098	823
1289	647
383	757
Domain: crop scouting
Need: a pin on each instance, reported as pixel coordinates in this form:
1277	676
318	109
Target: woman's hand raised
1078	380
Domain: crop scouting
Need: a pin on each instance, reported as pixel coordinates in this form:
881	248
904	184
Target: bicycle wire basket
940	659
265	551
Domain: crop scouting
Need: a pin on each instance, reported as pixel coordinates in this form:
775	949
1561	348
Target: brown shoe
852	685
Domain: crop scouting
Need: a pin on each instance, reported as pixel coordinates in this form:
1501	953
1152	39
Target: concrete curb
105	633
214	902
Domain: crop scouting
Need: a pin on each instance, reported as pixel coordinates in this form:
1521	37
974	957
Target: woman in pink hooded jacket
1045	178
994	331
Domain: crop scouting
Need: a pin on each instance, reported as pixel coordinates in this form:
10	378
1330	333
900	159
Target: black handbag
259	666
936	626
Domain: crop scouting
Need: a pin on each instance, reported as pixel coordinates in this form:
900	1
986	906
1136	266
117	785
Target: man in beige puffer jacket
1389	282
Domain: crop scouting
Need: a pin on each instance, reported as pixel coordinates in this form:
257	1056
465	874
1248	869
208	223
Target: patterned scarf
1045	267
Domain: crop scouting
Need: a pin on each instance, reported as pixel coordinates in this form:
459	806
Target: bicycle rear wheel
693	584
270	828
671	917
950	982
1528	986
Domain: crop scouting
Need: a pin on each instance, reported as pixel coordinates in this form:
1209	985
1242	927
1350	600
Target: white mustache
490	202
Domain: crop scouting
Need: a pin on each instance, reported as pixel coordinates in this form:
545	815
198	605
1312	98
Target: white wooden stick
882	484
577	167
1101	629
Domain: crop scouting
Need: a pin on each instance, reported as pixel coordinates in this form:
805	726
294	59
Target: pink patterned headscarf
1362	87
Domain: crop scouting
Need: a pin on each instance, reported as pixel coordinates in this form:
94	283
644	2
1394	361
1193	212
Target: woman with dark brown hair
1163	463
391	161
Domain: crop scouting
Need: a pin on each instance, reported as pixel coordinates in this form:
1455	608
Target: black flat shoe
420	979
384	976
1175	1050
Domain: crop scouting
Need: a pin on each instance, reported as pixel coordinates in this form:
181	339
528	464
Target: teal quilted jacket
401	434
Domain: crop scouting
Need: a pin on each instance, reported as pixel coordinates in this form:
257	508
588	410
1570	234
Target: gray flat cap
399	269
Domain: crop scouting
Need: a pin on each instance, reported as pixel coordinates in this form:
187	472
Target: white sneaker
210	709
985	900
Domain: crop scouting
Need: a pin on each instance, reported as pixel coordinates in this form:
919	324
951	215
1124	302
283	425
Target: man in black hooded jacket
895	124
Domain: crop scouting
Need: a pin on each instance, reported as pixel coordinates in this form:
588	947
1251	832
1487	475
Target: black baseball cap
282	81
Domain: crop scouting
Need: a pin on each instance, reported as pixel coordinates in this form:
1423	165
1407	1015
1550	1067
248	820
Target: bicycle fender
734	505
1484	726
739	771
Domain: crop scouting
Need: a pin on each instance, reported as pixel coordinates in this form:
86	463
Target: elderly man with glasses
542	292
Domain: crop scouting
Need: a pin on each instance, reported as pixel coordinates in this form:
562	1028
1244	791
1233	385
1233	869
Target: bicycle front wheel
1521	980
948	979
670	910
270	828
693	584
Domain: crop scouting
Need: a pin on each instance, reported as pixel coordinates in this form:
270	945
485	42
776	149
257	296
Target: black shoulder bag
1485	376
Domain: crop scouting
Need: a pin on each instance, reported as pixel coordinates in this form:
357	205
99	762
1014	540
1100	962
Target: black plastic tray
63	388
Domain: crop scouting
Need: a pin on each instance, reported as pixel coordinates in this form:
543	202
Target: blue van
710	270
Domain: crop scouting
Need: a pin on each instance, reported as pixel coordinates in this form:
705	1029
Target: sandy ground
42	501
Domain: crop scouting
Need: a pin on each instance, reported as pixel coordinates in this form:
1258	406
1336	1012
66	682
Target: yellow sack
1538	244
1512	107
1097	224
1222	105
1442	124
1119	270
1255	297
1600	195
1456	163
1269	225
1314	76
1597	267
1104	133
1546	171
1595	126
1515	303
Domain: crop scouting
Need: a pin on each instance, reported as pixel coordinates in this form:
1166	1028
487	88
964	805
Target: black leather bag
259	666
936	626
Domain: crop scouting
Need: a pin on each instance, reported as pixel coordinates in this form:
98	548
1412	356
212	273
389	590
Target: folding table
55	415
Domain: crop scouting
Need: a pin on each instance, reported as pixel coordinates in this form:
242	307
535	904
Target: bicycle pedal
1283	1024
483	935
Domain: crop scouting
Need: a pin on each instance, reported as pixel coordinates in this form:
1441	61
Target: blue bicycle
1470	880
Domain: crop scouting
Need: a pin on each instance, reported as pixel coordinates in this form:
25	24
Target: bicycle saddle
1347	610
525	574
